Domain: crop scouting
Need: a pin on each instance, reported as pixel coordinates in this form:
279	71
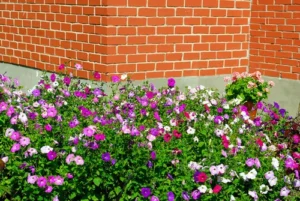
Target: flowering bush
247	87
67	140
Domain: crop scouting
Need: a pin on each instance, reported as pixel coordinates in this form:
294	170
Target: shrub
67	140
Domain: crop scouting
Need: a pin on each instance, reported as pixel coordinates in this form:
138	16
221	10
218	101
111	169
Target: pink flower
271	83
70	158
24	141
32	179
78	66
97	76
14	120
217	189
15	136
16	147
59	180
79	160
48	189
213	170
115	78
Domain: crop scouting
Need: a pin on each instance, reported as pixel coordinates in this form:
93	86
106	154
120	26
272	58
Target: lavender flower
106	157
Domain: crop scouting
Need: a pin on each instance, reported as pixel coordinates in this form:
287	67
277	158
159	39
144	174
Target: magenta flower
70	176
115	78
48	189
97	75
67	80
24	141
196	194
16	147
88	132
217	189
171	196
61	66
296	139
3	106
51	179
15	136
48	127
51	155
185	195
10	111
154	198
51	112
200	177
290	163
52	77
42	182
171	82
99	137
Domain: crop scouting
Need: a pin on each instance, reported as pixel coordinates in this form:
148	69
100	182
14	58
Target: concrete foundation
286	92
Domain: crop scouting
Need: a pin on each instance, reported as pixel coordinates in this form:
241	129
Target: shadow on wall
286	92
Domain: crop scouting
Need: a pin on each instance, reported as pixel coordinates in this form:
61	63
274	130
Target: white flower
5	159
23	118
244	176
167	128
173	122
50	90
275	163
190	130
272	181
272	148
193	90
232	198
36	104
226	106
223	180
210	92
8	132
202	189
46	149
219	132
196	139
65	102
264	189
194	166
287	179
210	117
74	149
297	183
124	77
252	174
55	84
213	101
221	169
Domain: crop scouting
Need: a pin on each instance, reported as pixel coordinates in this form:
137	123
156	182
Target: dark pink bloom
217	189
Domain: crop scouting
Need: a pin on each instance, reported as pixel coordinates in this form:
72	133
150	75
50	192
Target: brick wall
275	38
145	38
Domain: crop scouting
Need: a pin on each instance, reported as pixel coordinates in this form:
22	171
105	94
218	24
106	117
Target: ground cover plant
67	140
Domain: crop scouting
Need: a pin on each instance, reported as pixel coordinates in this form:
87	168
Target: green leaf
97	181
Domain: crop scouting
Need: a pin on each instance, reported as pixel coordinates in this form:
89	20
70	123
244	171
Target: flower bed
67	140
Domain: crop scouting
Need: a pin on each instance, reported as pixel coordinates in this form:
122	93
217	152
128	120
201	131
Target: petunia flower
32	179
42	182
284	191
171	196
202	189
217	189
79	160
24	141
145	192
264	189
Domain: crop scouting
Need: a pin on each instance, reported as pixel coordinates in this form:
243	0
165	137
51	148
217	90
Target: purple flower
99	137
36	93
106	157
149	164
171	196
296	139
290	163
259	105
257	163
220	110
42	182
51	155
185	195
113	161
145	192
171	82
115	78
282	112
276	105
196	194
218	119
153	155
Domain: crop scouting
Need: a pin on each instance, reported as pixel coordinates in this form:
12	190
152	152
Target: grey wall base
286	92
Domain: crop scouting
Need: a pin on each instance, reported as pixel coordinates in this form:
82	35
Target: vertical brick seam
145	38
